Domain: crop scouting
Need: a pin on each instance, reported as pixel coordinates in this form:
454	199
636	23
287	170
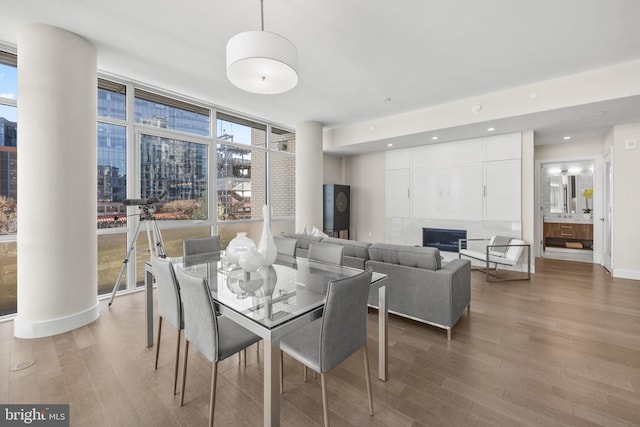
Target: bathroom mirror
563	187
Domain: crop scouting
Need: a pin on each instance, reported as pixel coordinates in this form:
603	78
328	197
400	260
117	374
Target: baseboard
622	273
28	329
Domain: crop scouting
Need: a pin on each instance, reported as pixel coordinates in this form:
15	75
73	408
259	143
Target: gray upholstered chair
286	246
341	331
200	245
169	306
216	337
331	254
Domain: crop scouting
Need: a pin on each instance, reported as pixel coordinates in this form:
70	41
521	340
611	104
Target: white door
607	212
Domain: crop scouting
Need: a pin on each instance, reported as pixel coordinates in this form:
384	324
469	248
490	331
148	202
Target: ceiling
354	54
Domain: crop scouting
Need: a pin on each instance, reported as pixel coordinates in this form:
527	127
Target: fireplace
444	239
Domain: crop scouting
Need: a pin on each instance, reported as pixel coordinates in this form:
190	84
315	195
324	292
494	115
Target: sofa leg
448	334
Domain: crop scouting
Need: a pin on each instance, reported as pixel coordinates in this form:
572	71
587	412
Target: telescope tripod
156	245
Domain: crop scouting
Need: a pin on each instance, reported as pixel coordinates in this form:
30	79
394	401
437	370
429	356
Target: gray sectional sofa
419	286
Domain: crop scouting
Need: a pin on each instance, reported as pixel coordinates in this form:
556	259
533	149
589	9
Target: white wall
626	202
528	193
569	151
366	174
332	170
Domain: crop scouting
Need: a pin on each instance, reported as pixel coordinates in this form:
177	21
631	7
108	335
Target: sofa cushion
411	256
352	248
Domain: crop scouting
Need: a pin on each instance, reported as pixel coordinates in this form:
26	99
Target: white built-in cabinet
476	179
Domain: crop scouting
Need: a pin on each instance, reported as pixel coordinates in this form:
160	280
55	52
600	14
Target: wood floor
562	349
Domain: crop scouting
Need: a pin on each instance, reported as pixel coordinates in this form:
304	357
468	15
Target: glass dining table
271	303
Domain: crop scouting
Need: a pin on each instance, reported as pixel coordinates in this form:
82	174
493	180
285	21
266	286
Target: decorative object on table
269	279
587	194
239	244
251	283
267	246
235	282
251	260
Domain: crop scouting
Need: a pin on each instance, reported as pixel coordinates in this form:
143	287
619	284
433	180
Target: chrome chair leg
175	371
367	375
184	370
158	346
212	398
325	401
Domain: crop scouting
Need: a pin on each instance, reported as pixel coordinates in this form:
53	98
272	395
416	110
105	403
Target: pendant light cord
261	15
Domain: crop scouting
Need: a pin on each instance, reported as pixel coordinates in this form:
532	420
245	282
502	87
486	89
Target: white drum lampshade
262	62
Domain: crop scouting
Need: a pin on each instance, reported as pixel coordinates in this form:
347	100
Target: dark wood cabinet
560	234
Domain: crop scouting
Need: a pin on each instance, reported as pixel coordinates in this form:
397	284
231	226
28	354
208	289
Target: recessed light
575	170
434	137
566	138
533	95
389	145
491	129
386	99
599	113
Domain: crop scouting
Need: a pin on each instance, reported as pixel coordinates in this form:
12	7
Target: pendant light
262	62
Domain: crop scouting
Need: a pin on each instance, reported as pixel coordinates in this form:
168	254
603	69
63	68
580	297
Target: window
112	99
159	111
112	175
112	154
8	183
283	185
240	131
282	140
8	143
241	182
179	168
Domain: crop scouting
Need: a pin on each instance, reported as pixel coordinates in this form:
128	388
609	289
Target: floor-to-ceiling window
112	182
8	182
213	170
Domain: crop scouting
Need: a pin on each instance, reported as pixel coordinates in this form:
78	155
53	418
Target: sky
8	89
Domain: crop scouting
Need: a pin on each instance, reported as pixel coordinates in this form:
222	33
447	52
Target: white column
57	242
309	201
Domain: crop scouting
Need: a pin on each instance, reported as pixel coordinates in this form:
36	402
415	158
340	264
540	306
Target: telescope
143	202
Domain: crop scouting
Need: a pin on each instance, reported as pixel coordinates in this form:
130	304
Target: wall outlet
630	144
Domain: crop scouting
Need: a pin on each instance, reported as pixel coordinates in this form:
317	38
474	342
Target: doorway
607	213
566	223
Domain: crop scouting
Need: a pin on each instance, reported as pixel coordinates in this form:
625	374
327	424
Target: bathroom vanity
567	231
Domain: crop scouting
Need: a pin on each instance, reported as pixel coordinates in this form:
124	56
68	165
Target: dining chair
200	245
285	245
216	337
169	306
331	254
341	331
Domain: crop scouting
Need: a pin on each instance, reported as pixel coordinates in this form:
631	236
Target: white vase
251	260
267	246
239	244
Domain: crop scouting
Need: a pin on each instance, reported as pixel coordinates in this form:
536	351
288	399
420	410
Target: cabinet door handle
484	190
